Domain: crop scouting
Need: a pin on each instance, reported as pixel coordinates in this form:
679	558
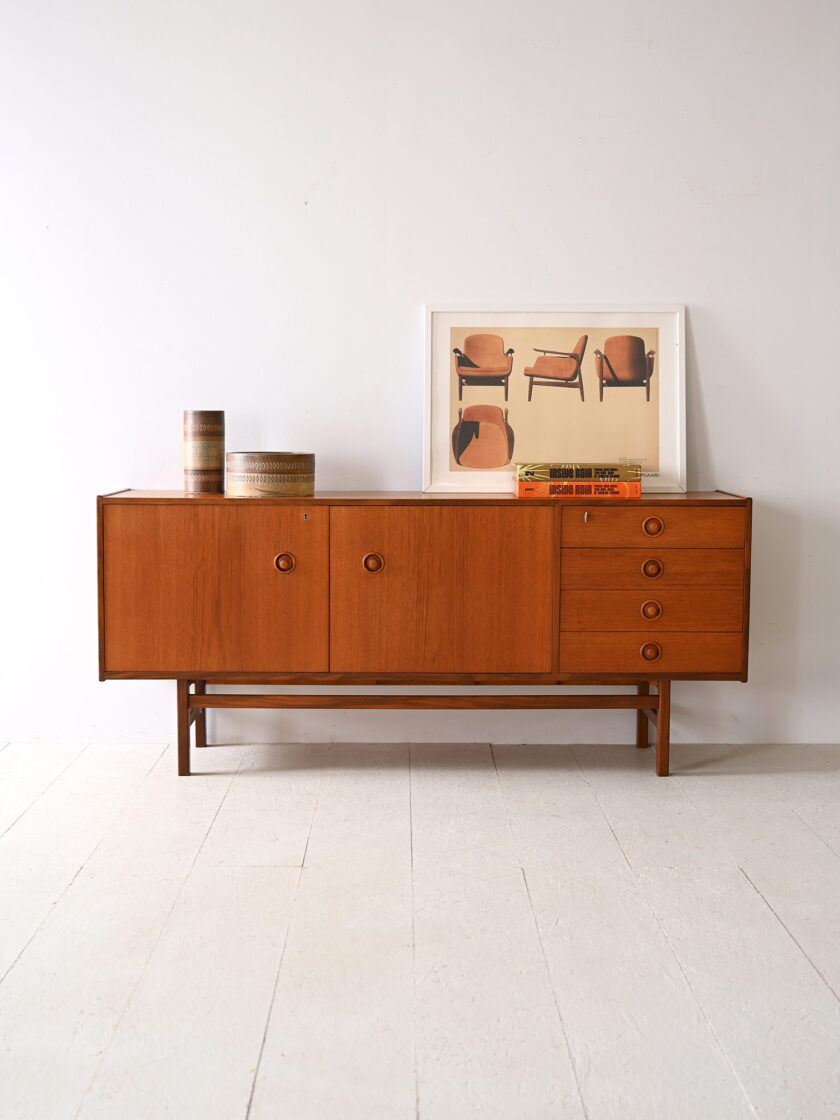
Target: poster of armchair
483	361
482	437
479	357
623	363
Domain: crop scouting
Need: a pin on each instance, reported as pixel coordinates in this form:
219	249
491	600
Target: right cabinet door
441	589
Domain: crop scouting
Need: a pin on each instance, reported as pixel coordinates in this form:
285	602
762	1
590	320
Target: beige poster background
556	426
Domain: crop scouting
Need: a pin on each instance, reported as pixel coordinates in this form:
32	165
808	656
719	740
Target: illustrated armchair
624	363
558	367
483	361
482	438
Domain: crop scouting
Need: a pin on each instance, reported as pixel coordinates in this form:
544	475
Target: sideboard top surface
404	497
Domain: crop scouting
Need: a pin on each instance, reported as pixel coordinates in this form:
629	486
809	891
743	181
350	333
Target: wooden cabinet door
461	589
195	589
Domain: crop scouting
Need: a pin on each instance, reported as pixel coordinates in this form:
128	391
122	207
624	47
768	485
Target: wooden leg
183	728
663	729
530	387
201	717
506	388
642	689
580	386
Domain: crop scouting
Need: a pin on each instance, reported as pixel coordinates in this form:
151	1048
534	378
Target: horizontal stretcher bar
260	700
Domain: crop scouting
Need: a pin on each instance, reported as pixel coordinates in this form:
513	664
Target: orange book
578	489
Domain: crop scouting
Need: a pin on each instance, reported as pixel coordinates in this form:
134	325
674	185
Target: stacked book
578	480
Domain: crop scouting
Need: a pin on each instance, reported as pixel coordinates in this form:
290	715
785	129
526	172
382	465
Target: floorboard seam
811	828
796	812
822	755
667	939
84	862
546	965
43	791
106	1048
281	958
787	930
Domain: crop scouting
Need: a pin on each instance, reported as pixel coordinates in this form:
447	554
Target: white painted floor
436	931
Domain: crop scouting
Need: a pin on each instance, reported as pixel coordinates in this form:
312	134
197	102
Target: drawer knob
653	526
284	561
653	569
651	609
373	562
651	651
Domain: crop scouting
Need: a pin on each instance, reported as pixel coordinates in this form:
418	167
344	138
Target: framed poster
553	385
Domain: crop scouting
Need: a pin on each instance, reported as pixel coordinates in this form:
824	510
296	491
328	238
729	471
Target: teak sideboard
423	589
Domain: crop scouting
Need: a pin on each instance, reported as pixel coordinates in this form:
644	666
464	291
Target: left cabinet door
192	589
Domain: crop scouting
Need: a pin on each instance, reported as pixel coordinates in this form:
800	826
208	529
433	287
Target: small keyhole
306	517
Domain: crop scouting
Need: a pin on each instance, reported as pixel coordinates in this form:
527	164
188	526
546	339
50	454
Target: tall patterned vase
204	452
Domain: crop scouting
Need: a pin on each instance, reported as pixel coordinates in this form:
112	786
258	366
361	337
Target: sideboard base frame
650	708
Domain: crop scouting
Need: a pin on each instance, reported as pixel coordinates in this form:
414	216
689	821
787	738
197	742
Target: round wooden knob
653	526
284	561
651	609
651	651
653	569
373	562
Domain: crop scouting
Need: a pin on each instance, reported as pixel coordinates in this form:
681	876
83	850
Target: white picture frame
441	379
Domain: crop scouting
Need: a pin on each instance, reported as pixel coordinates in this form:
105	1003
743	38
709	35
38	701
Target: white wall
244	205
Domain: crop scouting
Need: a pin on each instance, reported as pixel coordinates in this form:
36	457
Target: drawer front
652	569
664	526
654	652
652	610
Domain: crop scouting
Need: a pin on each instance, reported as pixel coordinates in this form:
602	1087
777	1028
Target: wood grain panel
681	527
621	568
651	609
462	590
420	497
194	589
619	652
416	702
747	581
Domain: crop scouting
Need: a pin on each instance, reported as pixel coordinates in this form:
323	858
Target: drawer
638	651
652	610
653	568
662	525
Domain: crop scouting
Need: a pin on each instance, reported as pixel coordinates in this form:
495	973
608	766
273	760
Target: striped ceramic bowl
269	474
